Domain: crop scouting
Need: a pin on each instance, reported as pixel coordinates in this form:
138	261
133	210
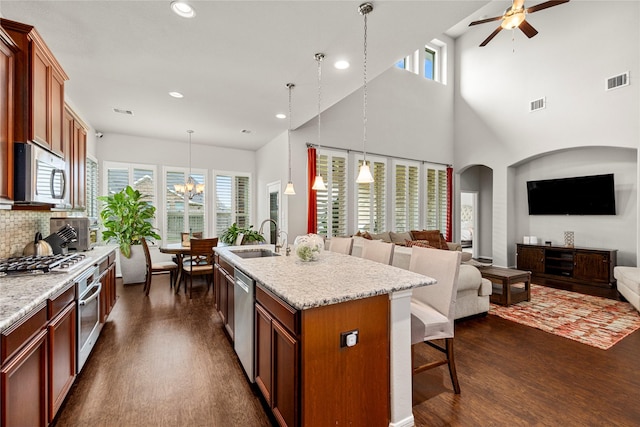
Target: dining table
180	251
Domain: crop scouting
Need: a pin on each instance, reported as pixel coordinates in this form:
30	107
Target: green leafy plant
126	217
230	235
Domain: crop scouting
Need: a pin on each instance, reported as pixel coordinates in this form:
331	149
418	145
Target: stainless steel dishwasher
243	304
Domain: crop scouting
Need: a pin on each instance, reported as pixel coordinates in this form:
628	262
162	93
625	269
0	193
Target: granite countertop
19	295
333	279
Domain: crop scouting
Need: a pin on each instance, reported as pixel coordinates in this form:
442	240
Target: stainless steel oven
88	291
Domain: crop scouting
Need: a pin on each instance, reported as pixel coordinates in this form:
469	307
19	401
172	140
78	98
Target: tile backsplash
17	228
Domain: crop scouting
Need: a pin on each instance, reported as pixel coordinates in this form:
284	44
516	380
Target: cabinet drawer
17	335
283	312
58	302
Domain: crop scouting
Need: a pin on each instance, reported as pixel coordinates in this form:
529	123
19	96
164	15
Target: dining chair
200	261
433	307
341	245
157	267
378	251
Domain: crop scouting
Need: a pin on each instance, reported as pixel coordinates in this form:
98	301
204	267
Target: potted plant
251	236
126	217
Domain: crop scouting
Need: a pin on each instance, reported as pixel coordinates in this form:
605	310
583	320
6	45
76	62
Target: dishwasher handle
242	285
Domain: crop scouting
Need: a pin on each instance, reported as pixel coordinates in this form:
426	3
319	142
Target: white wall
568	63
159	153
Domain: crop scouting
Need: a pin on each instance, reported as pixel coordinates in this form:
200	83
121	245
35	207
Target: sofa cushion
629	275
469	277
419	243
434	237
399	238
385	237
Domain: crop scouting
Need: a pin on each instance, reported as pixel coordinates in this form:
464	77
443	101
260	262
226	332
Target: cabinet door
222	307
23	386
6	120
530	259
56	112
62	357
229	323
40	97
217	284
263	352
67	150
285	376
591	266
80	164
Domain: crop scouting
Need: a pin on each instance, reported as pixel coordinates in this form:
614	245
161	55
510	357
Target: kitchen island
332	337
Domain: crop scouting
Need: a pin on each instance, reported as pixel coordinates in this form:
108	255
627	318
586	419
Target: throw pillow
381	236
433	236
419	243
400	238
366	235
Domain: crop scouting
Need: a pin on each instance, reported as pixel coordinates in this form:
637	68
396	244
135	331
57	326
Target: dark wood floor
164	361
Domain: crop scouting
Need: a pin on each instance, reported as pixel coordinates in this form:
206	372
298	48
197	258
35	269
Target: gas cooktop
26	265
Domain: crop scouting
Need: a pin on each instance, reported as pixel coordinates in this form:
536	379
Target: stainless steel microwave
39	176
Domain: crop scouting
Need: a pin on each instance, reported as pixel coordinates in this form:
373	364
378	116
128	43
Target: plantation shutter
371	199
242	201
401	199
117	179
223	203
436	200
332	202
92	188
174	206
407	198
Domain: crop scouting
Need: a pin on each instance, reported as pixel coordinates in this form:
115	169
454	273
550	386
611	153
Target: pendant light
318	183
365	177
190	188
289	190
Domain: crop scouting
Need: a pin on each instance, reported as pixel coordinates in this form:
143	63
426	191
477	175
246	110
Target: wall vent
538	104
618	81
122	111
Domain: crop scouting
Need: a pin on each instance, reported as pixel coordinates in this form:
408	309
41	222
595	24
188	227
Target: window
429	63
332	202
371	199
436	197
407	196
92	188
402	63
140	177
179	209
232	201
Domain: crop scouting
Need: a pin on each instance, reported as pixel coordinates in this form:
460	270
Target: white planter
133	269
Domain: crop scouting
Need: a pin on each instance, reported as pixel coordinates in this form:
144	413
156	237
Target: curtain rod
309	145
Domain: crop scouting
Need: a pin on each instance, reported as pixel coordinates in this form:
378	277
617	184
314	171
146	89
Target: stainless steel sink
254	253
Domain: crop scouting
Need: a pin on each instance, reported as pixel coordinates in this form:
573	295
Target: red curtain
312	211
449	233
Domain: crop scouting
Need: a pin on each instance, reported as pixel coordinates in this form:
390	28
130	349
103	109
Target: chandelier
190	188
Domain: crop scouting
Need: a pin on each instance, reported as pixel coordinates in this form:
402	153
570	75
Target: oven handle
95	295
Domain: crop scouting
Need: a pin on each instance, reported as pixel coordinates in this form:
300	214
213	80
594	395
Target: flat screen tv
583	195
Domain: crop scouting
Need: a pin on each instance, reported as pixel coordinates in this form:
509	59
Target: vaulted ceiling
231	62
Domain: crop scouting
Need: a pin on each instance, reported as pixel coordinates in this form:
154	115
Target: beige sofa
628	283
473	291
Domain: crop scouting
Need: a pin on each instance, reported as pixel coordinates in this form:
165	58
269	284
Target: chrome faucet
287	249
277	233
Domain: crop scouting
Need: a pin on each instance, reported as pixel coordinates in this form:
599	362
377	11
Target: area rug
595	321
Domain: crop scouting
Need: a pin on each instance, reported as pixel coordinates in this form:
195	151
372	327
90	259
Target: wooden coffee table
503	280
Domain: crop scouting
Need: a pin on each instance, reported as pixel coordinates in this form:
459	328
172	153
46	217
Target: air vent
122	111
618	81
538	104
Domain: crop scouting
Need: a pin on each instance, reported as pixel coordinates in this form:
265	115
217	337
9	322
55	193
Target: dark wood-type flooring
165	361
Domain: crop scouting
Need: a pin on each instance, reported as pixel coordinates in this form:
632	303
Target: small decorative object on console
568	239
308	247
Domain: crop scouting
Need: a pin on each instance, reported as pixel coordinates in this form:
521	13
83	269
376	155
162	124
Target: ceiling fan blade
484	21
545	5
492	35
527	29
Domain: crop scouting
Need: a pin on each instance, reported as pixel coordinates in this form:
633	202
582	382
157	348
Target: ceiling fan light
364	177
512	21
318	184
290	191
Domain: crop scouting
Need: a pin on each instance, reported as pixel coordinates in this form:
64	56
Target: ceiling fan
514	17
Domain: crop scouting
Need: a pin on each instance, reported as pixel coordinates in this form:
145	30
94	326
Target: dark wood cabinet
38	89
530	259
61	357
223	284
108	297
23	376
7	67
585	266
277	356
74	148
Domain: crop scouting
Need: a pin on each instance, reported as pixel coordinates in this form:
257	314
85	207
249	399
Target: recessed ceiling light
176	94
183	9
281	116
341	65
